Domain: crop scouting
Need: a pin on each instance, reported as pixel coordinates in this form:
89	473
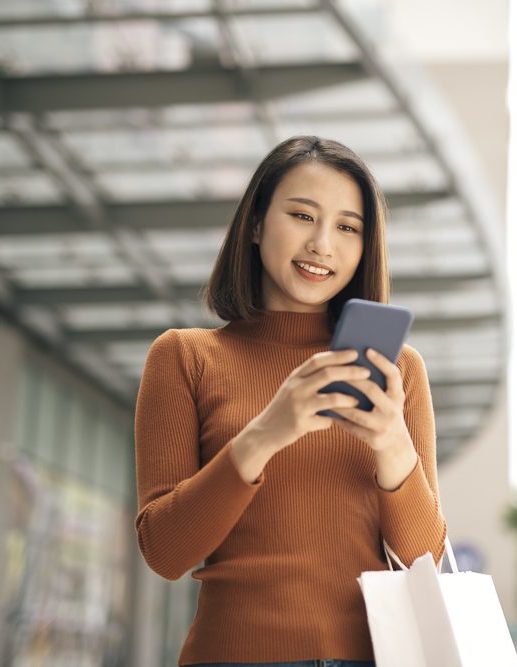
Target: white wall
475	486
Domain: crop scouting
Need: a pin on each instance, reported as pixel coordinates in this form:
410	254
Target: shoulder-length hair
234	288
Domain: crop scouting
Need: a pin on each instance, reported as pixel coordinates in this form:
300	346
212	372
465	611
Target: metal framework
119	174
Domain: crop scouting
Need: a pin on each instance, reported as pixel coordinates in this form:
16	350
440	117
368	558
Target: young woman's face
327	231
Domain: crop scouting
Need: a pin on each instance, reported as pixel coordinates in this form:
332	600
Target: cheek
359	246
351	256
279	241
352	245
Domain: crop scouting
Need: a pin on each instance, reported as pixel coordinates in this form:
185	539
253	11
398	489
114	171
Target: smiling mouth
314	277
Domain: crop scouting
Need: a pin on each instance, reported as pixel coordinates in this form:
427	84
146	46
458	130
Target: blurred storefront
66	531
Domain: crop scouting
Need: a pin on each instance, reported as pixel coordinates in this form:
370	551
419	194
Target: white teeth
313	269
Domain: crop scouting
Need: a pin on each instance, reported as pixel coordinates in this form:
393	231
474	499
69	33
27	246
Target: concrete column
10	364
11	347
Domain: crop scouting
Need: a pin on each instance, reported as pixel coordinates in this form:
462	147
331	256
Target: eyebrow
311	202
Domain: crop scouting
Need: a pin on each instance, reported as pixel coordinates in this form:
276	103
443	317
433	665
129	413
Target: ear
256	233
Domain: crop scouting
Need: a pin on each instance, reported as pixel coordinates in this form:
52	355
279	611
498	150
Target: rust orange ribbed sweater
281	556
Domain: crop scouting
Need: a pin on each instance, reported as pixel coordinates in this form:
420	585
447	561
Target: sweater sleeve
184	512
411	518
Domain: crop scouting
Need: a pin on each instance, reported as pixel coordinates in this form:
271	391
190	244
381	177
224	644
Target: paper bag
420	617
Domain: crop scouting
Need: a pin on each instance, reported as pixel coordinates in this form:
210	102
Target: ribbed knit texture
282	555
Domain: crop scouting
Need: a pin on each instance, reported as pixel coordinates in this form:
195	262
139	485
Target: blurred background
129	130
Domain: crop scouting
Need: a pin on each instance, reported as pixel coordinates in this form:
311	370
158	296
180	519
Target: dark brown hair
234	289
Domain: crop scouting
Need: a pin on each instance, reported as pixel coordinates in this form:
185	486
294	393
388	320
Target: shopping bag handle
391	555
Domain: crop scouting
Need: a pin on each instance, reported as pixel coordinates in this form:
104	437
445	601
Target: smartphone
363	324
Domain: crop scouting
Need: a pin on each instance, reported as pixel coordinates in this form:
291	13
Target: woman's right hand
292	411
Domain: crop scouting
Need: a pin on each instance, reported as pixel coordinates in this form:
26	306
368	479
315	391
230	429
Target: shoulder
410	361
169	350
168	343
185	346
180	340
409	355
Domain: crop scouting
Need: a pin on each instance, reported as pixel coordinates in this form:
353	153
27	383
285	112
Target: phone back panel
363	324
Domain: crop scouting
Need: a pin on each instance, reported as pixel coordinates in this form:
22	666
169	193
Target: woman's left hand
384	427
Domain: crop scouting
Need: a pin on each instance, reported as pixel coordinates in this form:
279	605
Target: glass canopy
129	130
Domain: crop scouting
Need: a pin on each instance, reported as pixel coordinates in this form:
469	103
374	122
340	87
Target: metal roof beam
89	295
100	90
121	122
172	214
38	19
35	220
191	291
422	283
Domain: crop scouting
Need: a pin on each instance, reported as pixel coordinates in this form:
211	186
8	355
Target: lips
313	277
315	264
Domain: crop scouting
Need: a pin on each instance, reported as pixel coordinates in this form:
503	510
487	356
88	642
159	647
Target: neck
285	326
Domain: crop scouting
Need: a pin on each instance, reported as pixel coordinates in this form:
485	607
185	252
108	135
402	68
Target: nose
320	242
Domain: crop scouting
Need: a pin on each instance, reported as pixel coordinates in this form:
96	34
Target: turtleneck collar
284	326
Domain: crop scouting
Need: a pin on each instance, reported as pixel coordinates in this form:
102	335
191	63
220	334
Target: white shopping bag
420	617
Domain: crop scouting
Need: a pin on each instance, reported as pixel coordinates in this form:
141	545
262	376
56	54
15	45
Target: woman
234	468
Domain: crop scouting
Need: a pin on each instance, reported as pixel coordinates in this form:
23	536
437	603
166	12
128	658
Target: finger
389	370
328	358
352	427
312	383
331	401
369	421
371	390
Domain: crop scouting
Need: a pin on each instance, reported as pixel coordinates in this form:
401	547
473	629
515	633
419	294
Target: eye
310	218
305	214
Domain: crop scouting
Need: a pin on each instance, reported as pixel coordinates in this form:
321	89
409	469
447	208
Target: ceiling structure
130	130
